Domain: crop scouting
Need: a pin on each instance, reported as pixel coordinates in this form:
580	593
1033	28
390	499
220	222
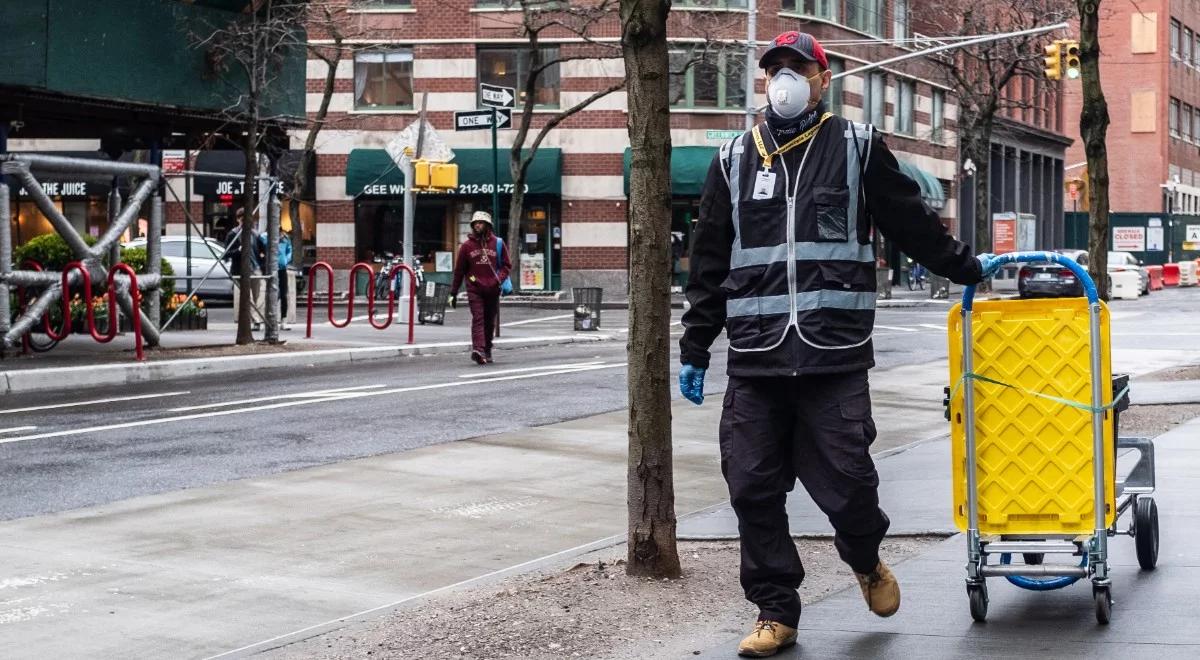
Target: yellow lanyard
768	158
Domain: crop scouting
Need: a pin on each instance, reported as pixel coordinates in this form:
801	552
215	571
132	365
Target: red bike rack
361	266
112	306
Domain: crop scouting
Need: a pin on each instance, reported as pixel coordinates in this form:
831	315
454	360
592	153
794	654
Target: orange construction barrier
1156	277
1170	274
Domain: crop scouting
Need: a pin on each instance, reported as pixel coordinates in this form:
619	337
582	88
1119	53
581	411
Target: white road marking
509	324
294	395
895	327
93	402
15	429
568	365
931	325
289	404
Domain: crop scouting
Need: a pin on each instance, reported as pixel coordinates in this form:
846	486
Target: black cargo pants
817	429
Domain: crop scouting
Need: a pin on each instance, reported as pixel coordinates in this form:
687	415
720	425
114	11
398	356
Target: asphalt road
60	452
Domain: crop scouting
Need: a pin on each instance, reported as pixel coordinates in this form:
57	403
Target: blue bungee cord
1036	584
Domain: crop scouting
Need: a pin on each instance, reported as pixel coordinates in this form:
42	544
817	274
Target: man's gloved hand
691	383
985	262
453	301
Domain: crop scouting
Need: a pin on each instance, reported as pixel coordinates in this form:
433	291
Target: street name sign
1193	234
481	120
495	96
721	135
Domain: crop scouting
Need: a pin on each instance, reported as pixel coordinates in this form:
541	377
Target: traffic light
1053	61
1071	59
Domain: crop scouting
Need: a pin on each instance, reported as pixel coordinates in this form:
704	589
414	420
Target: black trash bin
431	303
587	307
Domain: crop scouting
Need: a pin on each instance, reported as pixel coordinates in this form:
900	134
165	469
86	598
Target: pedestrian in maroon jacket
485	267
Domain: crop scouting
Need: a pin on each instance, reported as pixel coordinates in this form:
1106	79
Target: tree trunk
245	260
1093	127
652	547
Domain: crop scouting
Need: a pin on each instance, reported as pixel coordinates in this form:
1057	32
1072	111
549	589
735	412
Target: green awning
931	188
371	173
689	169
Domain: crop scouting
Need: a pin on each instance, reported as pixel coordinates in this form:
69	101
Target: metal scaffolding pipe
272	266
114	209
85	165
124	219
154	257
5	260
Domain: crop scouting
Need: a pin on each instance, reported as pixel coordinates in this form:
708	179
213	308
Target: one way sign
495	96
480	120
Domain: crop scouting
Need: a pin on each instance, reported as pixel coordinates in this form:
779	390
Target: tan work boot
880	589
767	639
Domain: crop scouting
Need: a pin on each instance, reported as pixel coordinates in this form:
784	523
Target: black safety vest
802	257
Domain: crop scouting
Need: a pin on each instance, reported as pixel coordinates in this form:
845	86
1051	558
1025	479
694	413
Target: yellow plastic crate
1034	455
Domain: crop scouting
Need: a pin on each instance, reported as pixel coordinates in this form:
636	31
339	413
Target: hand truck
1034	465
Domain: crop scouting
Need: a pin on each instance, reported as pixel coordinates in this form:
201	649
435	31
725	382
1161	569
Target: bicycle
917	275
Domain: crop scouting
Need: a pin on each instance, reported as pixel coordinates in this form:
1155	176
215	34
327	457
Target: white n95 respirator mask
788	92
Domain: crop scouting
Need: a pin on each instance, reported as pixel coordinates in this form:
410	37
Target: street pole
751	59
187	224
495	172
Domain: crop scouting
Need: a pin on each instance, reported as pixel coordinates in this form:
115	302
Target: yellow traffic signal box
1053	61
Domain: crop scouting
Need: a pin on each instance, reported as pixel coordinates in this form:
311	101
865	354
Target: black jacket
894	206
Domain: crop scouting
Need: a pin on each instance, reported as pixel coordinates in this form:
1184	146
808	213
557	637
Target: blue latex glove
985	262
691	383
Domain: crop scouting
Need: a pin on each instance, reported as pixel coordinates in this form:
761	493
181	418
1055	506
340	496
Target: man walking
782	258
484	263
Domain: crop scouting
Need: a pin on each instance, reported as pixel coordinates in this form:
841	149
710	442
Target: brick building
575	230
1150	69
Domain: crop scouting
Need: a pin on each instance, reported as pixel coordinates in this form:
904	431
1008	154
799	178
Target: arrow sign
495	96
481	120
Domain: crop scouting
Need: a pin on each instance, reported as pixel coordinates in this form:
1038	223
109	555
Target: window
899	19
383	79
873	99
717	81
1175	29
1185	122
510	67
938	117
818	8
382	4
833	95
905	121
1196	124
865	15
1173	118
1186	46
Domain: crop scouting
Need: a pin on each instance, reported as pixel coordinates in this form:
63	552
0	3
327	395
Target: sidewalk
85	362
1152	615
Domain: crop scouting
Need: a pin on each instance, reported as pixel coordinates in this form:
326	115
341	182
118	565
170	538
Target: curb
53	378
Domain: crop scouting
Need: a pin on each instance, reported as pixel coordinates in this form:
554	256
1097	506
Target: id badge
764	185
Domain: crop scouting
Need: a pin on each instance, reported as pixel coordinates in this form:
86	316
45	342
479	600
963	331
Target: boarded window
1143	108
1143	32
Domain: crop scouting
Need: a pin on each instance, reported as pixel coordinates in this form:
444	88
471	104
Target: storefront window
383	79
510	67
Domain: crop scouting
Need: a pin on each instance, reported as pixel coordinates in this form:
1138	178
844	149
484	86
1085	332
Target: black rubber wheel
977	595
1145	525
1033	558
1103	598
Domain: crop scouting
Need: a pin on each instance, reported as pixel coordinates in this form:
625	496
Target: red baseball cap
801	43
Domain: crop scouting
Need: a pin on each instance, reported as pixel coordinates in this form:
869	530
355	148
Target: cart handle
993	264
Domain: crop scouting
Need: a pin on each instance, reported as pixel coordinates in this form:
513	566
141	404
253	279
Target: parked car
1050	280
174	250
1124	261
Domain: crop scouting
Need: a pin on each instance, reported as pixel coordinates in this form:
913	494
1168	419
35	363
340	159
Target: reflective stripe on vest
806	300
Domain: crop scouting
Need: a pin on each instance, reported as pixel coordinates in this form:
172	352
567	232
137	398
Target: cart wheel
977	595
1145	525
1103	597
1033	558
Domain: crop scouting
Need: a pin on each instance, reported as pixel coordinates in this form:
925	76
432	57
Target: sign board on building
1154	239
1004	232
1193	234
533	271
71	189
495	96
721	136
173	161
1129	239
479	120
